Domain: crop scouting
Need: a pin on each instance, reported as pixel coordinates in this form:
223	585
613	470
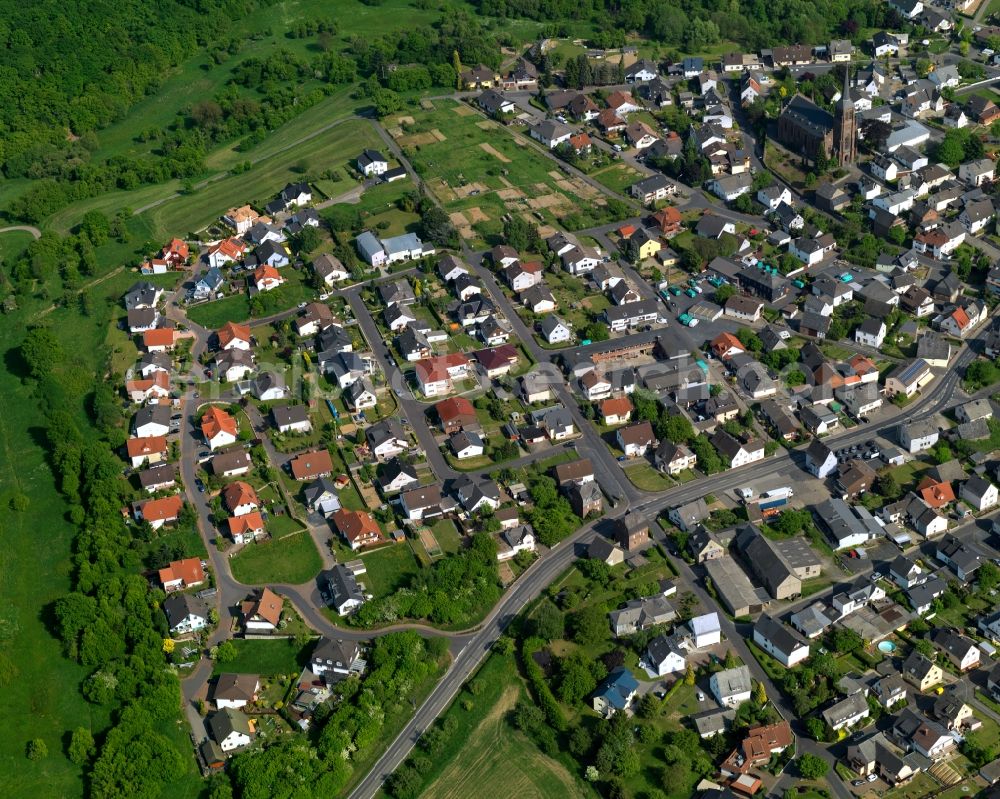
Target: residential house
246	528
779	641
737	453
311	465
372	162
962	558
918	436
908	379
231	729
358	528
665	655
979	493
231	464
690	515
847	712
961	651
235	691
673	459
848	526
218	428
185	614
333	660
340	585
180	575
616	693
820	459
921	672
635	439
975	173
386	439
731	687
262	612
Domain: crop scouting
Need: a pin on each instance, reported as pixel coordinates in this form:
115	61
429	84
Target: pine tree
456	62
689	675
760	694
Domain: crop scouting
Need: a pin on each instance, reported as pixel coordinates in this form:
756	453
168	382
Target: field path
23	228
89	285
488	757
254	161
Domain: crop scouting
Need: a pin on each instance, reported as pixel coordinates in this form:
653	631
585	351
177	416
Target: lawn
476	757
617	177
12	244
447	535
921	785
236	307
646	478
283	525
389	568
266	658
213	315
292	560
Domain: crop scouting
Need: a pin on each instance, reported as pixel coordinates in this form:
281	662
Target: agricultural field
481	171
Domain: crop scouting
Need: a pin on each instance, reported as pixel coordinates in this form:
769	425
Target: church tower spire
845	125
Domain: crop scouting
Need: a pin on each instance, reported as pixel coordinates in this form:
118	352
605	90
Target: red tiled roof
616	406
231	331
267	605
454	408
159	337
217	421
146	446
311	464
188	571
357	527
247	523
935	494
155	510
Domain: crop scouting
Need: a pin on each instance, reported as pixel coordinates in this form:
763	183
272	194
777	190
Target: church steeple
845	125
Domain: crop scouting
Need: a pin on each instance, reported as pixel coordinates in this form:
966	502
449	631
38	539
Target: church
805	128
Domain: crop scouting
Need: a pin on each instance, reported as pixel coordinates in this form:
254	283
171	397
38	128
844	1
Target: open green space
446	147
213	315
476	755
41	687
292	559
389	568
188	212
617	177
12	244
646	478
447	535
267	658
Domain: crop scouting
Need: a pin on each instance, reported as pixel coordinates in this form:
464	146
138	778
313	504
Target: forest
697	24
67	70
262	93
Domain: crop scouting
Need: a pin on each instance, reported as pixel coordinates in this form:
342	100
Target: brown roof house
262	612
311	465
